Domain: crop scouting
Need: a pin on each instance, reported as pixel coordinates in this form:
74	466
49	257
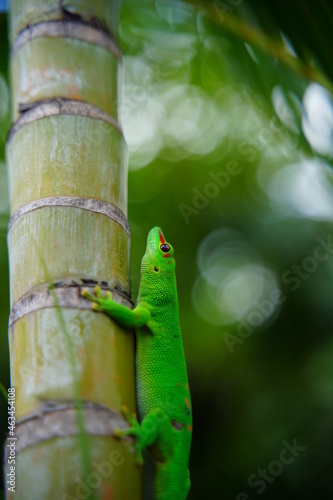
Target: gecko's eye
165	247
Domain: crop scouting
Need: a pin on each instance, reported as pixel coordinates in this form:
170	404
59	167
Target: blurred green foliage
231	154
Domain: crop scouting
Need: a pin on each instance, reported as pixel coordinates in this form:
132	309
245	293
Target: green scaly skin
163	396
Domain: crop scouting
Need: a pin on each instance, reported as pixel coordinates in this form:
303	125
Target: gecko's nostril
156	269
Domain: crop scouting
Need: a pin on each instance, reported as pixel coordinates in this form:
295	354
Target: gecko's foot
96	301
131	419
99	294
100	301
134	430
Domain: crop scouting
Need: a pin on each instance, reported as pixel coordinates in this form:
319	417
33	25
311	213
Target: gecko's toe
98	292
86	294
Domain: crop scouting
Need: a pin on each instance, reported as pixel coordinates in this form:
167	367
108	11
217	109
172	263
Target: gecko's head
159	253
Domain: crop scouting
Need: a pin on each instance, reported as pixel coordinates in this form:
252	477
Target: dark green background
277	384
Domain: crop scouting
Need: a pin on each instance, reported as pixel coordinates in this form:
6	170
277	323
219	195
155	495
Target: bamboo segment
24	13
47	68
54	243
92	167
41	366
57	471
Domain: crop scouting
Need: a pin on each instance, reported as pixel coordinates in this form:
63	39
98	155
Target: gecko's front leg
130	318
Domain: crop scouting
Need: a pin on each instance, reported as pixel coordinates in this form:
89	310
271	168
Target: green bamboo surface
73	243
48	68
41	367
92	167
58	462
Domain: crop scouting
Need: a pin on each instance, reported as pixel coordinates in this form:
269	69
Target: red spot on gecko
166	255
162	240
186	387
188	404
189	428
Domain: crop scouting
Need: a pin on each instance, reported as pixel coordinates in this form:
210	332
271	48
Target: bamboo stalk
72	368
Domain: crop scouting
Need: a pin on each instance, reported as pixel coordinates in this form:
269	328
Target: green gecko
163	397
